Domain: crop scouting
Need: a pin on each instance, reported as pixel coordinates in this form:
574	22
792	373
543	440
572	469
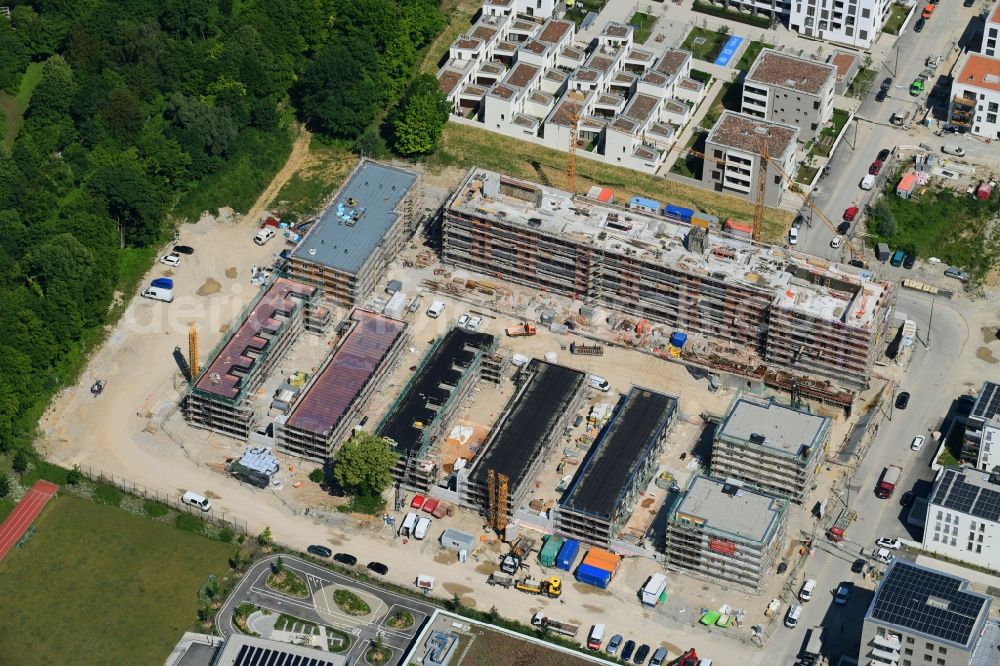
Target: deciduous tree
364	464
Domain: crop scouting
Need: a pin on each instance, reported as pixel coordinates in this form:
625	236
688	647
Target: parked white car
463	321
474	323
917	443
172	259
263	236
952	149
835	242
890	543
883	555
793	236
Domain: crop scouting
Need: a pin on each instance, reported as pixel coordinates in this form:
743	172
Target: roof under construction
527	422
431	387
621	449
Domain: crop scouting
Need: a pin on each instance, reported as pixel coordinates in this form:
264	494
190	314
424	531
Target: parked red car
418	502
850	214
430	505
875	167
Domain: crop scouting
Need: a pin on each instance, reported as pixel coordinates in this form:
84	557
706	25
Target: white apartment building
536	8
982	430
963	517
855	23
975	95
795	91
733	152
991	33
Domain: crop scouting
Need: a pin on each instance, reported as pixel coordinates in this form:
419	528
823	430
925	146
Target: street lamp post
930	321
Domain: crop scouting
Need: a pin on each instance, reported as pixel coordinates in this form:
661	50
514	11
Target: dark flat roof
621	448
245	344
432	385
969	491
348	368
527	421
377	191
930	603
987	402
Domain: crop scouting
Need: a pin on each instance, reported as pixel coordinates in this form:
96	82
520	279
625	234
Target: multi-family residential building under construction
820	325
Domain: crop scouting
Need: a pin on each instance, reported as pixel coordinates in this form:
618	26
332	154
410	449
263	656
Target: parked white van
409	522
420	531
792	618
868	182
435	310
806	593
159	294
194	499
599	383
263	236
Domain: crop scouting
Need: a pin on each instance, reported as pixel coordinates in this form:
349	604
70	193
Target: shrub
108	495
370	504
317	475
154	509
74	476
190	523
226	535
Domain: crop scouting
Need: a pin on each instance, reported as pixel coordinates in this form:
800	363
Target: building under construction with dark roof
424	409
547	397
618	466
219	397
331	403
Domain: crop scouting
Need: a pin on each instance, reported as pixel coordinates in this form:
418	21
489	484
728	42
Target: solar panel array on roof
928	602
252	655
988	403
956	493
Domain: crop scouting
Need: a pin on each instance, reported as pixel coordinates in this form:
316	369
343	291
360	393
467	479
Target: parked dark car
641	654
378	568
910	258
919	25
183	249
319	551
907	499
843	593
883	155
843	228
344	558
858	566
857	263
968	3
782	567
628	650
902	400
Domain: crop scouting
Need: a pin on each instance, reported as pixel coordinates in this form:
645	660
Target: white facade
961	530
791	90
537	8
855	23
991	33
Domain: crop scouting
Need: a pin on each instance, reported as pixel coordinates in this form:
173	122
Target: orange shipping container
602	559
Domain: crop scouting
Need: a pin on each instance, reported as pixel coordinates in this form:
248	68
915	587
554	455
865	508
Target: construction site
770	314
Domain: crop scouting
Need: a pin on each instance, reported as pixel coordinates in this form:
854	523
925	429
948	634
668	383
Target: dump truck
520	330
564	628
890	477
551	588
511	562
839	527
502	581
586	350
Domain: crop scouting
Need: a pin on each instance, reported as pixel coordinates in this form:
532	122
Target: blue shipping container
679	212
642	202
567	555
591	575
677	339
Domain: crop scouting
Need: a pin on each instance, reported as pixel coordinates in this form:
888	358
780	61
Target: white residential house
963	517
856	24
975	95
534	8
991	32
787	89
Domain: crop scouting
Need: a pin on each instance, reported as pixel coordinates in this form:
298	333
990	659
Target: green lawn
643	24
805	174
728	97
96	585
828	135
862	83
707	50
12	107
750	54
897	14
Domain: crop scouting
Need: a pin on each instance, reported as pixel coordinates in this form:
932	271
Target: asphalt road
253	589
931	387
863	139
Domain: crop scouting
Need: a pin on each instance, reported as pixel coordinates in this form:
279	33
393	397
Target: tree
882	219
55	90
424	111
15	58
264	539
317	475
364	464
4	486
20	462
338	93
279	566
74	476
131	200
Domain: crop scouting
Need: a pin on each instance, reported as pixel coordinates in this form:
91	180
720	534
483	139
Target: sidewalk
694	125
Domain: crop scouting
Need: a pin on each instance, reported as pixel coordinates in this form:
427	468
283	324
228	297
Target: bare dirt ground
299	154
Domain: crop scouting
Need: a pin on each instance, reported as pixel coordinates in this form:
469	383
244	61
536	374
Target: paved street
932	384
872	131
320	608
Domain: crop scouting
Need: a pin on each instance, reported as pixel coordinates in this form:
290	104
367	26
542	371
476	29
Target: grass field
643	24
319	177
96	585
12	107
750	54
704	44
465	147
459	14
897	14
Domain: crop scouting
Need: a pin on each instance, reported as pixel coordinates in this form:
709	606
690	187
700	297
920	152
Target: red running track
24	514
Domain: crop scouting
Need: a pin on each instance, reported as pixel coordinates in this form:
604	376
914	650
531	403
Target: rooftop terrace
621	449
747	133
358	219
730	510
346	372
788	71
801	282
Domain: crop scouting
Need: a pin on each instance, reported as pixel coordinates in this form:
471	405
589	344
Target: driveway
320	608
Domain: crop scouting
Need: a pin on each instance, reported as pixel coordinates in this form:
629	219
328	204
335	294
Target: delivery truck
655	590
564	628
887	484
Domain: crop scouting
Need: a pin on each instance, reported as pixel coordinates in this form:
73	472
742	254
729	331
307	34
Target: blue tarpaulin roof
646	203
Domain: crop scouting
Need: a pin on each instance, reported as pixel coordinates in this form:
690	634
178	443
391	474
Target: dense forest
138	113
